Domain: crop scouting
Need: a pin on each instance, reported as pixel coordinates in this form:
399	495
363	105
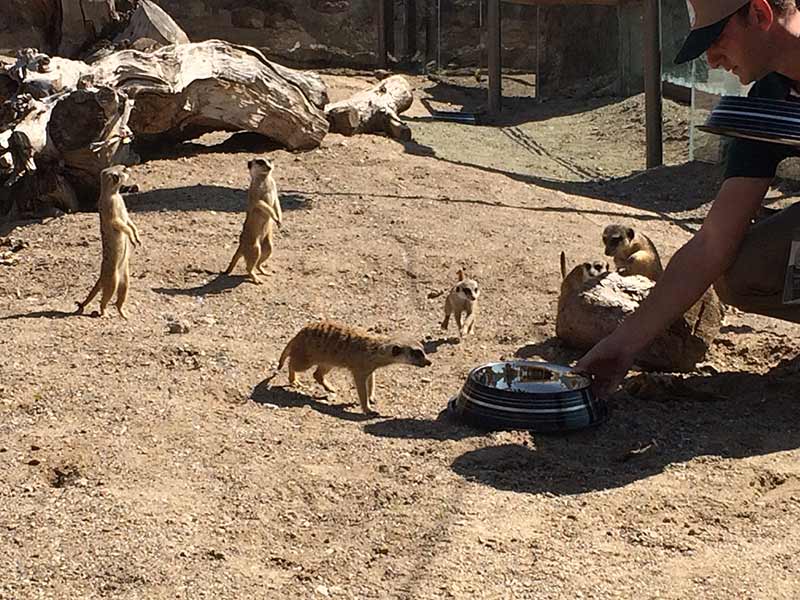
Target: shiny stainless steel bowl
522	394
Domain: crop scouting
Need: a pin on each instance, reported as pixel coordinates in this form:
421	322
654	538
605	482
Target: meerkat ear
396	350
563	261
249	164
629	232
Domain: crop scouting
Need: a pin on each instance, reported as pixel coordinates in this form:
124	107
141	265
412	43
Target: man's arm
692	270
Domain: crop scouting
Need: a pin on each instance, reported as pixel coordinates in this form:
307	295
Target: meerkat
328	345
574	281
263	207
634	253
117	232
463	298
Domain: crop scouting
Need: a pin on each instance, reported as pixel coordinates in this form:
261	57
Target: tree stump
598	309
374	110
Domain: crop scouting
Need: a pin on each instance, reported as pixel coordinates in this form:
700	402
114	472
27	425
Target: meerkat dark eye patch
396	350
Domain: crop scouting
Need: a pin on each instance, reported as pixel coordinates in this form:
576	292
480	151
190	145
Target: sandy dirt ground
139	463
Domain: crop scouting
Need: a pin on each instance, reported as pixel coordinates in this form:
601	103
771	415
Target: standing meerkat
633	252
462	298
573	282
328	345
263	207
117	233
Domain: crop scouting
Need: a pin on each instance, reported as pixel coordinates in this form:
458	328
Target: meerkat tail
234	260
285	354
563	264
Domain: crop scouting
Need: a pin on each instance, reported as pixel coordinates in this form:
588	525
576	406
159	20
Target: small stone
323	591
177	327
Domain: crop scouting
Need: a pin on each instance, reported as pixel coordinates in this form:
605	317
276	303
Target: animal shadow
45	314
285	397
432	346
220	284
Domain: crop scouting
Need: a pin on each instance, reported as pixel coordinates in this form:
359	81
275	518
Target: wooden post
389	24
652	83
381	34
411	28
493	45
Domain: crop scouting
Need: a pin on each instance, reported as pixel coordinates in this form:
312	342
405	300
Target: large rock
597	310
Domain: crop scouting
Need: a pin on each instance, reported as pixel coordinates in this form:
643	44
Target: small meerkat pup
634	253
328	345
462	298
263	207
574	281
117	232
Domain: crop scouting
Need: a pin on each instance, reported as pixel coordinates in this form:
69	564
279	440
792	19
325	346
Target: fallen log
84	114
374	110
586	317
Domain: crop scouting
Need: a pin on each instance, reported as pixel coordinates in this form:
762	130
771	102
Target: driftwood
374	110
69	27
149	21
68	119
587	317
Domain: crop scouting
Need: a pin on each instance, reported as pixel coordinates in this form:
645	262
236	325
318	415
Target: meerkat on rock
633	252
117	233
463	298
328	345
574	281
263	207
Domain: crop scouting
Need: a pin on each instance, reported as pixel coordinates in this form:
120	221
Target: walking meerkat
263	207
117	232
463	298
574	281
634	253
328	345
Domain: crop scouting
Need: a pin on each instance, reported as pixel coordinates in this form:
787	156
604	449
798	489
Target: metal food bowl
762	119
521	394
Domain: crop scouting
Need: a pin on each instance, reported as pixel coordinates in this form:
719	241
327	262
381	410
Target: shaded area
284	397
243	141
207	197
643	437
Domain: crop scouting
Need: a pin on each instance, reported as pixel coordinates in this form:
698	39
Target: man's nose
714	57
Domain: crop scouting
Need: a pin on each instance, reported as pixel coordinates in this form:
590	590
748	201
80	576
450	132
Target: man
757	40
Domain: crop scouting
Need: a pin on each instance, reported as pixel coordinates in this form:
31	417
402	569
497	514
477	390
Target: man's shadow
752	415
284	397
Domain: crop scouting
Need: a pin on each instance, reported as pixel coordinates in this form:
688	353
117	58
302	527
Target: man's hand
608	363
688	275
